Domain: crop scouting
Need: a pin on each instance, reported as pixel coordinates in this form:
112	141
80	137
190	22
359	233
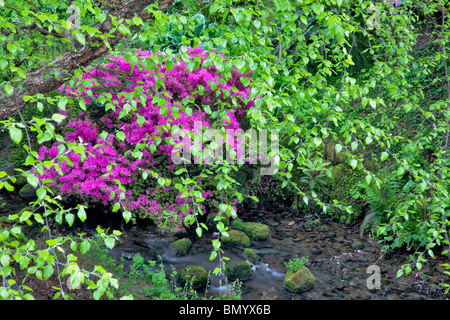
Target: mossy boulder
194	276
254	230
241	270
251	255
28	192
236	238
181	246
300	280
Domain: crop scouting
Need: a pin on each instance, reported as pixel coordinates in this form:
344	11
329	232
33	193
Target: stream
339	259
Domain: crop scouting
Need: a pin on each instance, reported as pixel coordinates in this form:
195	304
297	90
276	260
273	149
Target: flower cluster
106	164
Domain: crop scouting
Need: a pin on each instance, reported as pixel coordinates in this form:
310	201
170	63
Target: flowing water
339	260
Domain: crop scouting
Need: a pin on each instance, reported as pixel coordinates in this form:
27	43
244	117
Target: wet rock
181	246
153	241
241	270
274	223
236	238
317	251
194	276
254	230
299	281
330	234
28	192
181	233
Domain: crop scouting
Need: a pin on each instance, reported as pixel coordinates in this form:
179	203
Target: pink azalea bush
107	164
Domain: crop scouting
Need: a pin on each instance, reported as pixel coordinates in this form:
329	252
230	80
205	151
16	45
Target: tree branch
43	80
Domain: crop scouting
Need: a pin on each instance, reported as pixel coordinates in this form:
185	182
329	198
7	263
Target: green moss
195	276
299	281
181	246
241	270
251	255
254	230
236	238
310	225
27	192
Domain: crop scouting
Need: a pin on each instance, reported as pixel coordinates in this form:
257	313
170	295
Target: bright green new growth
296	263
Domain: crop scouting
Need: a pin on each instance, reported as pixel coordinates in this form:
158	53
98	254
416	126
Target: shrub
121	145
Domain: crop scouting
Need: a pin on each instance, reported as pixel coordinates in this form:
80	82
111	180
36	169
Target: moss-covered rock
300	280
251	255
181	246
194	276
236	238
241	270
28	192
254	230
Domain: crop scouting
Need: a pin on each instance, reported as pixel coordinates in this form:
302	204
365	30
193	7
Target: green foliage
323	76
296	263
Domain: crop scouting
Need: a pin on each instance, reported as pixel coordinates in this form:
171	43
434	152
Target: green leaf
48	271
15	134
70	219
126	215
62	103
169	65
384	155
41	193
58	117
81	213
9	89
80	38
109	242
11	47
116	207
84	246
120	135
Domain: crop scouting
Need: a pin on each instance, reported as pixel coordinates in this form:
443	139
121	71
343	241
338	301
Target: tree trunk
64	66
